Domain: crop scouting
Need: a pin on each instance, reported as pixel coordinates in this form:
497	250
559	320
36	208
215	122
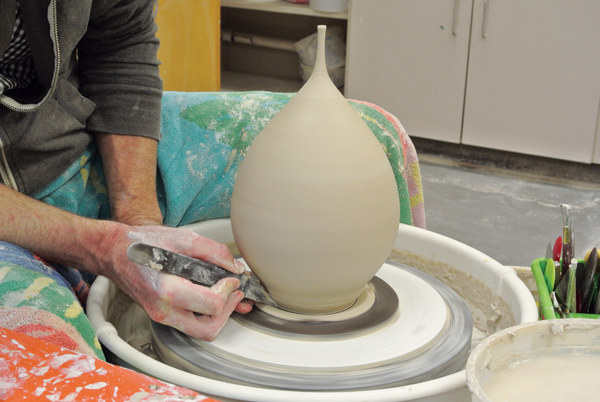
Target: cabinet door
534	77
596	158
190	39
410	57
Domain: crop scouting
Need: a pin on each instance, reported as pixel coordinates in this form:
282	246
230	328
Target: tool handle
545	302
197	271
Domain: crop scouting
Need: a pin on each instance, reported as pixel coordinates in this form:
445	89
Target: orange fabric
48	334
32	369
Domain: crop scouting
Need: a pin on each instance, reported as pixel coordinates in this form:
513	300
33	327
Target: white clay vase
315	208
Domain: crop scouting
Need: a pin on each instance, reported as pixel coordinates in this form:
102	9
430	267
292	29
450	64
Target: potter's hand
100	248
198	311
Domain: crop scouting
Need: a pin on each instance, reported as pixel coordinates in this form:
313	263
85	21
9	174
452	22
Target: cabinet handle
486	4
455	16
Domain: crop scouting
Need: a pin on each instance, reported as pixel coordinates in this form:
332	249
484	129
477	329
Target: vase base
376	305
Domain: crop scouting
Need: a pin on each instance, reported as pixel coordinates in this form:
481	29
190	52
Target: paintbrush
567	245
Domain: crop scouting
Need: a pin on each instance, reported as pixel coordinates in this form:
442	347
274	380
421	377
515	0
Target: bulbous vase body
315	207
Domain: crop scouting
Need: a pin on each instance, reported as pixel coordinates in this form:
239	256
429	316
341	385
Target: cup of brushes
567	286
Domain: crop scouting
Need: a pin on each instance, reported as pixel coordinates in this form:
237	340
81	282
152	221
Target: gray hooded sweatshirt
97	70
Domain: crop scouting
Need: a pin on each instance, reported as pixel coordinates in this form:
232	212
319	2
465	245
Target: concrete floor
510	214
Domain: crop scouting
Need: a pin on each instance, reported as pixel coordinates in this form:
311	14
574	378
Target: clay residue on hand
489	311
132	322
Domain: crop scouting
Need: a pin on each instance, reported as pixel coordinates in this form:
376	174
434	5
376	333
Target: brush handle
540	281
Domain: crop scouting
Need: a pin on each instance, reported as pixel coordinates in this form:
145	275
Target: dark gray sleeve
118	68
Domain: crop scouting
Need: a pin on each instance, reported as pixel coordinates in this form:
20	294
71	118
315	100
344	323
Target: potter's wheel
496	297
406	327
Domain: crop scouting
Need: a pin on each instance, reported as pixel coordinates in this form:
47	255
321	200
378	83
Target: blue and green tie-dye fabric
204	138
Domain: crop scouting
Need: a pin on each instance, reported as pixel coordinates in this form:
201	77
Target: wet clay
315	206
489	312
564	378
537	361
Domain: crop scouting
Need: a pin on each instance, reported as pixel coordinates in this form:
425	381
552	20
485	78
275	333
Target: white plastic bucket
528	362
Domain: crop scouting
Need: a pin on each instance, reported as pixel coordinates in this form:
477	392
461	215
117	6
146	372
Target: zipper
16	106
5	173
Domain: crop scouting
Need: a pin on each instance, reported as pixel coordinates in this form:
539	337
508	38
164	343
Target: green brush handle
581	315
540	281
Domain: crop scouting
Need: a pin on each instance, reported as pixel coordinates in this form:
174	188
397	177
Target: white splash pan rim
108	336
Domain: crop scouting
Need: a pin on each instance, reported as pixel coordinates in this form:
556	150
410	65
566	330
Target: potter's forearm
100	247
130	168
54	234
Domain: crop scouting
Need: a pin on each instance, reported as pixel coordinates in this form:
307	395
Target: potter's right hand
196	310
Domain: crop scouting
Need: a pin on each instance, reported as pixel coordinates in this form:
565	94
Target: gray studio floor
508	214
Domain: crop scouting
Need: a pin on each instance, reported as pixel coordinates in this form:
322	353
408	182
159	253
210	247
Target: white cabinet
534	79
596	158
516	75
410	57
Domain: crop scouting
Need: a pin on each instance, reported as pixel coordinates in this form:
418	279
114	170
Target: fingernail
227	286
241	268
